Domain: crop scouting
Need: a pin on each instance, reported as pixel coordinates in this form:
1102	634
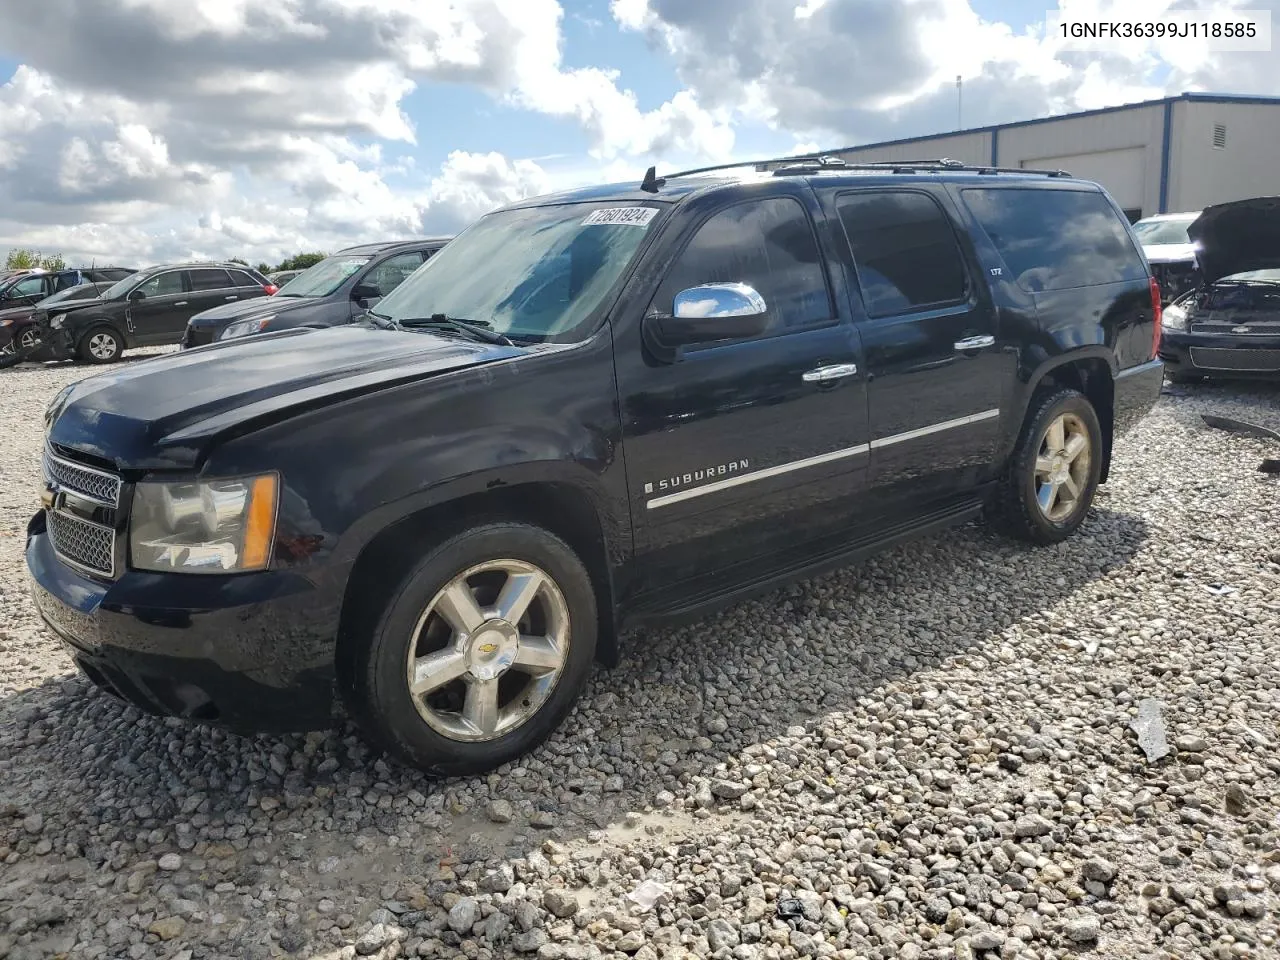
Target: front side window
393	271
904	252
1056	239
163	285
534	274
766	244
26	287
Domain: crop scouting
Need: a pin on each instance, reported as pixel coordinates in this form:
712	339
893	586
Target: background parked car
1229	326
19	328
150	308
28	288
1170	252
281	277
334	291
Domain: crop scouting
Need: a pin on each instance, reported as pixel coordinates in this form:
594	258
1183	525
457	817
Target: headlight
56	321
6	323
1174	318
212	526
246	327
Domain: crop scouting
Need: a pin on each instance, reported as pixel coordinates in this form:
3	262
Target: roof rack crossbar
795	164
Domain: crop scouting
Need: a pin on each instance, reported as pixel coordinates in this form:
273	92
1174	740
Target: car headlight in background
246	327
1174	317
208	526
6	323
56	320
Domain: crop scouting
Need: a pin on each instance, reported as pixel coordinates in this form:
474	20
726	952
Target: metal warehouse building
1182	153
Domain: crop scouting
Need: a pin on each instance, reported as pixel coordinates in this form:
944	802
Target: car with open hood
613	406
1170	251
334	291
1229	325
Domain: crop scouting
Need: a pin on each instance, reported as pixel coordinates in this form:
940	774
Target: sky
145	131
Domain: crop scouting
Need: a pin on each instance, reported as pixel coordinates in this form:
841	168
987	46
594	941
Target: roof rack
808	162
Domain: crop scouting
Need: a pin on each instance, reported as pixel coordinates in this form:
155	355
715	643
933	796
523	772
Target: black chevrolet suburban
616	405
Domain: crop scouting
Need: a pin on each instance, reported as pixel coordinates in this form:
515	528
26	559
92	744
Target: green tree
265	268
301	261
24	259
238	260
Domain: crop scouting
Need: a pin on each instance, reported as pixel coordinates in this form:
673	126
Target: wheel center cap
492	650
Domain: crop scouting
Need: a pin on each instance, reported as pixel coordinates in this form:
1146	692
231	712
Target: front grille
103	488
1263	328
83	544
1214	358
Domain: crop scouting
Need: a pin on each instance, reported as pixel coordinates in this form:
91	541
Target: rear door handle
232	298
181	303
974	343
836	371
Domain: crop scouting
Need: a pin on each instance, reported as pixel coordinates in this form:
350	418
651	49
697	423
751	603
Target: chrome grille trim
82	545
85	482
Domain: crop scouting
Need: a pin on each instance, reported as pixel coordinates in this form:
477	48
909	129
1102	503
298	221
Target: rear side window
904	251
209	279
767	244
1056	239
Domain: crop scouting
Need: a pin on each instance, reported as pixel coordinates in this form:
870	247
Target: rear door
938	372
210	287
163	307
245	286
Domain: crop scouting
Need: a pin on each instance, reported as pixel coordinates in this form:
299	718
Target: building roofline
1186	97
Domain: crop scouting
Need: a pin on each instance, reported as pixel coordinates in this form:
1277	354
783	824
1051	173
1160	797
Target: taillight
272	289
1157	314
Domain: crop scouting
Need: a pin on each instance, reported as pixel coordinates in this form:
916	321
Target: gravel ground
928	755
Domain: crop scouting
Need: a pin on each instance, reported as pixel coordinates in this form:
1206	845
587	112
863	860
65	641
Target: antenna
651	183
959	103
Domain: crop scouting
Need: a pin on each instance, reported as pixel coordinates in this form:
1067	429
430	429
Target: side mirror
137	294
366	291
711	312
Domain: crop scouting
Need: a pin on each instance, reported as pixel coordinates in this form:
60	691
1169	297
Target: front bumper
1220	355
251	652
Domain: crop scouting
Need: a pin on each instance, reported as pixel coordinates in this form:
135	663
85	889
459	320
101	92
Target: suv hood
222	315
165	412
1239	236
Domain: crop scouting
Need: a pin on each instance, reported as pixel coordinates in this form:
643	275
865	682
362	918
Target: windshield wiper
476	329
378	320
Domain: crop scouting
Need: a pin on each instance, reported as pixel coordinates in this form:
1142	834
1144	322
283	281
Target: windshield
1152	232
535	274
324	278
121	288
84	291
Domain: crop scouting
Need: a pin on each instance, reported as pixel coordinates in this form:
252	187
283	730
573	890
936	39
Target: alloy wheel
488	650
102	346
1062	467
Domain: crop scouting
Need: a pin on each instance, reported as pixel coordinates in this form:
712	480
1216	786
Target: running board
699	605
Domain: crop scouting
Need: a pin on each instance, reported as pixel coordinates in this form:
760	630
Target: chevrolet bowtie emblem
487	648
1239	329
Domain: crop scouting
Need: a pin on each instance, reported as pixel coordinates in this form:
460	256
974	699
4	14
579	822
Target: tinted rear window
209	279
1056	239
241	279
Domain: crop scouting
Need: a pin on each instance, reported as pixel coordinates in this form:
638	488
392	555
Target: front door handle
974	343
836	371
181	303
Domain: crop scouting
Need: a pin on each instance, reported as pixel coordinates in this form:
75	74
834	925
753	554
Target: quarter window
241	279
209	279
904	252
766	244
1056	239
163	285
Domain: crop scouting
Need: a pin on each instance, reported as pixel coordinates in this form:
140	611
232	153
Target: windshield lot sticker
626	216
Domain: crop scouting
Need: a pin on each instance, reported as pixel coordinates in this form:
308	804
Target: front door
939	374
163	306
739	451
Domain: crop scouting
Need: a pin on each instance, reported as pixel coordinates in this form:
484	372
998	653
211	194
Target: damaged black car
1229	326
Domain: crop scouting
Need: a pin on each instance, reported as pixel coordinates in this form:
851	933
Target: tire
436	733
1016	508
101	344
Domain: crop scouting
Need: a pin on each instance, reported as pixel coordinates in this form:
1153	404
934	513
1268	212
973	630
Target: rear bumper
1219	356
253	652
1136	391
